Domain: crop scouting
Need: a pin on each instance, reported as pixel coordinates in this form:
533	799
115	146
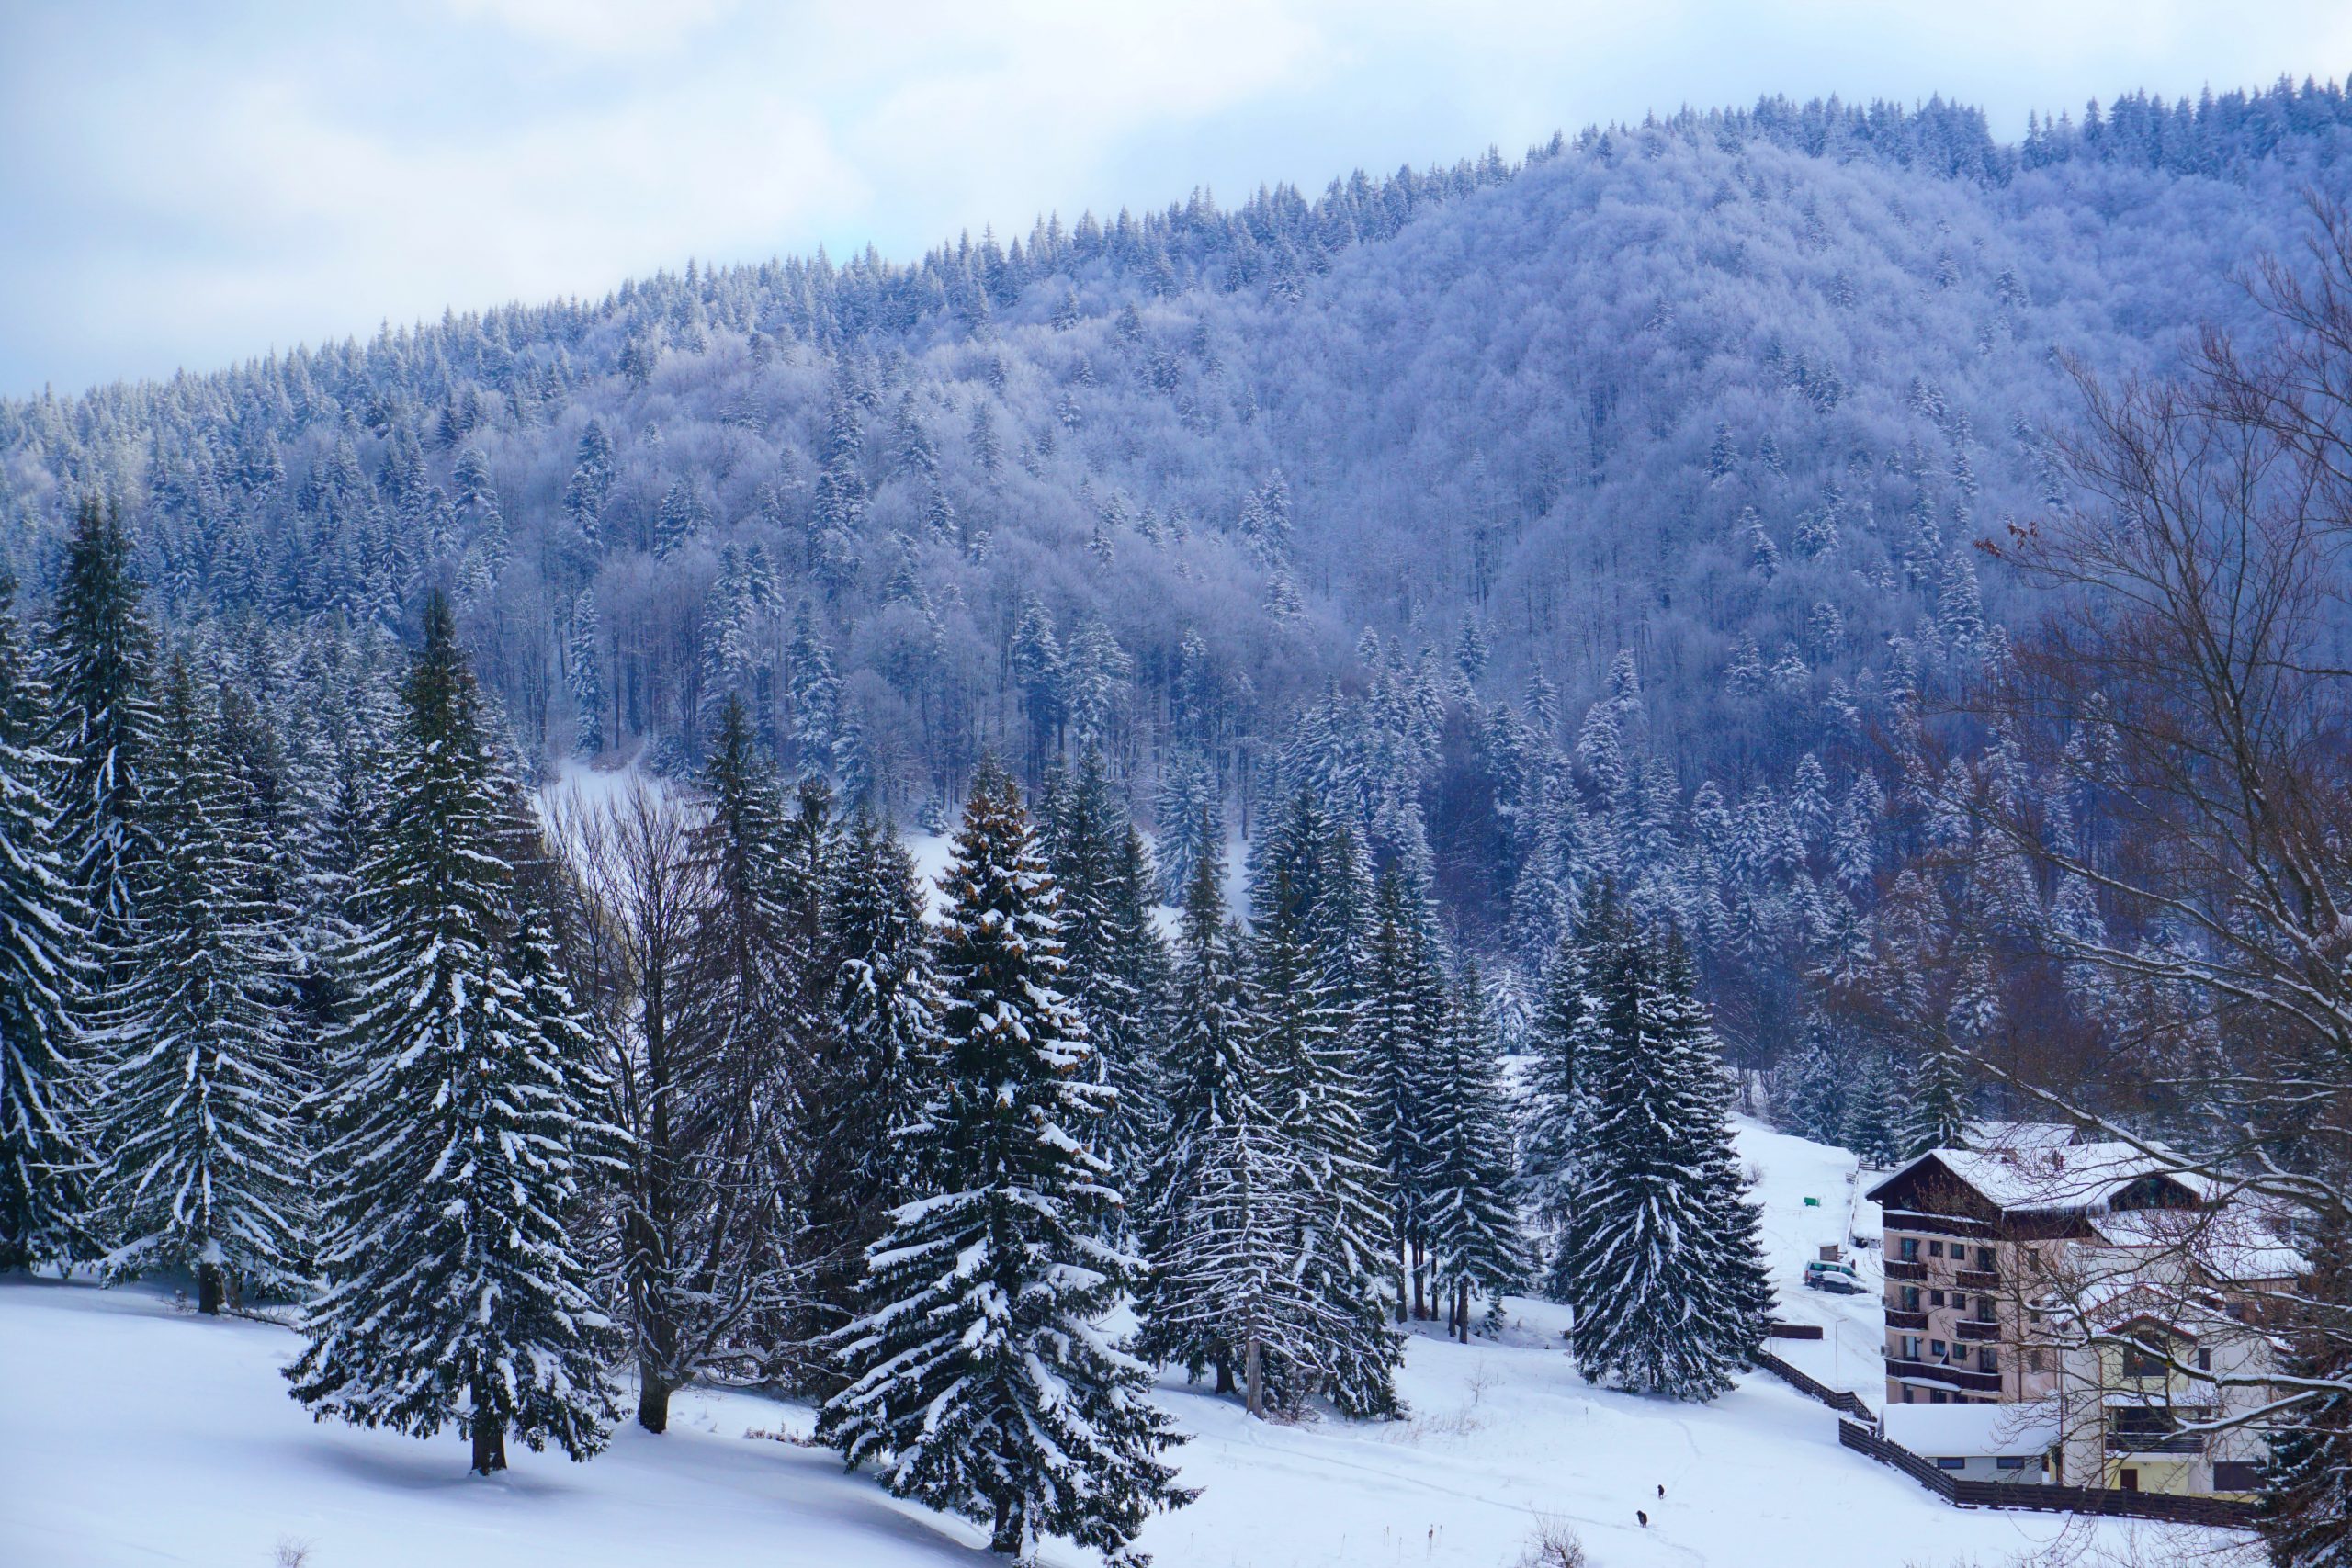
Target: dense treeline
511	1099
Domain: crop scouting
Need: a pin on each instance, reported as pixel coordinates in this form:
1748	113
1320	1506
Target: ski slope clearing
134	1433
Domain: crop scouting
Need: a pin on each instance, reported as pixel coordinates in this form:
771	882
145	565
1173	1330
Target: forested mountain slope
1561	519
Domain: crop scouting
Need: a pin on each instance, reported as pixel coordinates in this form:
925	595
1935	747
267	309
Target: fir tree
583	670
1558	1109
44	1078
1313	1086
2306	1518
979	1378
1935	1115
1224	1293
1476	1250
1874	1111
102	667
204	1165
461	1121
875	1104
741	1042
1659	1262
1398	1029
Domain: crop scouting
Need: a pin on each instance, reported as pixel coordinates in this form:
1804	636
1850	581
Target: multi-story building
2028	1270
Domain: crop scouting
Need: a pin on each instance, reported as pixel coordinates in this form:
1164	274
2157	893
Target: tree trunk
210	1289
489	1434
1224	1374
652	1399
1462	1309
1255	1370
1421	1308
1006	1538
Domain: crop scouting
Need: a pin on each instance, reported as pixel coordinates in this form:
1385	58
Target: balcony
1951	1377
1968	1328
1914	1272
1897	1318
2154	1443
1977	1280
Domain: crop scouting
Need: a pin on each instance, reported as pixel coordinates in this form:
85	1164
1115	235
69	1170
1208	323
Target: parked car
1837	1279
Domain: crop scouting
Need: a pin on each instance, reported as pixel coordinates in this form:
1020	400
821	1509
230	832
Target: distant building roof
1973	1431
2015	1136
2056	1177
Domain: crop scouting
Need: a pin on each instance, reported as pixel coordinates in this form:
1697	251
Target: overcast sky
189	185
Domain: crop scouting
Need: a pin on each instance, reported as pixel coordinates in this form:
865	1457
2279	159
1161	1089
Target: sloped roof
1972	1431
2053	1177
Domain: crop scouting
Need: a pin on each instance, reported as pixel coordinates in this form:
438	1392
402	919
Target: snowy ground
131	1433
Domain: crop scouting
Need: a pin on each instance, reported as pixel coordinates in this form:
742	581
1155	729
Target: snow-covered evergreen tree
1476	1250
461	1120
1314	1085
101	671
45	1075
981	1379
205	1168
874	1105
1661	1260
1935	1111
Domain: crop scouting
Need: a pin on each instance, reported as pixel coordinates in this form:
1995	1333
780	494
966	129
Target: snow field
133	1434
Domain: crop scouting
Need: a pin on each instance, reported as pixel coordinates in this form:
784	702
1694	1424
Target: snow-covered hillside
134	1433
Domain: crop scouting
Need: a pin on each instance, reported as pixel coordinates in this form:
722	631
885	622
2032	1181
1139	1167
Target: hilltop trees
461	1121
978	1378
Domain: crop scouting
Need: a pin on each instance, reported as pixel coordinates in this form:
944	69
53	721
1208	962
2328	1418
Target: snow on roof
2078	1177
1972	1431
2014	1137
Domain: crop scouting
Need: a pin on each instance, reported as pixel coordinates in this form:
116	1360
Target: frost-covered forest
1558	519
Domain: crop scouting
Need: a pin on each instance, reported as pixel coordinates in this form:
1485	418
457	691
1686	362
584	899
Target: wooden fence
2110	1501
1836	1399
1792	1331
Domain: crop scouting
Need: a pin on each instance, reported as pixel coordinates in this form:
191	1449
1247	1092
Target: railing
1898	1269
1977	1329
1813	1388
1977	1280
1898	1318
2046	1498
2154	1443
1937	1372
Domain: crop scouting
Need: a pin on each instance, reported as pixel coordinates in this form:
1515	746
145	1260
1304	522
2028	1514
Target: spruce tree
2306	1520
1115	953
1476	1250
204	1165
462	1119
1660	1263
1873	1125
1398	1027
1341	1228
102	659
981	1379
885	1010
738	1040
1559	1110
1223	1293
44	1076
1935	1113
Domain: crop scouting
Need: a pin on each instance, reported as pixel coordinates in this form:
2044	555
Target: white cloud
186	189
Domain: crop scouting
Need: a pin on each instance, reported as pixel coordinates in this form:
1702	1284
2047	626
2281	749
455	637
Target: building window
1984	1260
1960	1301
2036	1361
1947	1463
2236	1475
1907	1391
2009	1462
1910	1249
1987	1361
1936	1348
1935	1298
1910	1298
1935	1249
2204	1361
2139	1362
